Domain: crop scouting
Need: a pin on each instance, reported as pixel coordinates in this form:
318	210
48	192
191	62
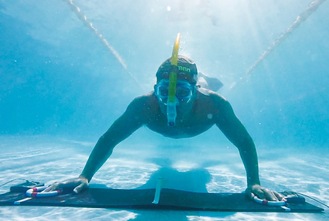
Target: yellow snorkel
172	102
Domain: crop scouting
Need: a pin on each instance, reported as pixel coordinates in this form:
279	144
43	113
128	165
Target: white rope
39	192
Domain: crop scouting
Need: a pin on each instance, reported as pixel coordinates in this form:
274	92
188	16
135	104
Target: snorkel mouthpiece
172	100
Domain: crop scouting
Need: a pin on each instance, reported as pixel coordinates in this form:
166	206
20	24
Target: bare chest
188	127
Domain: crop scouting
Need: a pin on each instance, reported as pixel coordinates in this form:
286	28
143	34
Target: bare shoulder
142	100
213	98
142	103
138	110
215	104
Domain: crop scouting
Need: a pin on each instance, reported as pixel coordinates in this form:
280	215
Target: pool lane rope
84	19
312	7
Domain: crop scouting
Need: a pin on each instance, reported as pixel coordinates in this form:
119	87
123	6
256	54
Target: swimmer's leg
210	83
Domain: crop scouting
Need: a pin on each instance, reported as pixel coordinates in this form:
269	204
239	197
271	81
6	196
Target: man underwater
192	111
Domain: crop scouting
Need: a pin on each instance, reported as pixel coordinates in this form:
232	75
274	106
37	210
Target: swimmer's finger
81	187
279	196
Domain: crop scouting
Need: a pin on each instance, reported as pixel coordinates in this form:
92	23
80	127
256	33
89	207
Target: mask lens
163	91
183	91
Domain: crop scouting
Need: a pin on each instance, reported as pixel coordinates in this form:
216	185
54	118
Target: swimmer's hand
75	184
263	193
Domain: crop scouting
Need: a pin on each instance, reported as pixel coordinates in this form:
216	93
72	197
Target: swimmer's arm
122	128
233	129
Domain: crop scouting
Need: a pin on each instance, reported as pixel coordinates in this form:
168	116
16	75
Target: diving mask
184	91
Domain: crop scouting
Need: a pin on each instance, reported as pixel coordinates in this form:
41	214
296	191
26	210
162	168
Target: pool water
68	69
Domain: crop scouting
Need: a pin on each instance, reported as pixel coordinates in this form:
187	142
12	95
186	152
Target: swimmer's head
186	70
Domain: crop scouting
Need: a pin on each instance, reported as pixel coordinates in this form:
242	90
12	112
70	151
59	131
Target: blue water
61	87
